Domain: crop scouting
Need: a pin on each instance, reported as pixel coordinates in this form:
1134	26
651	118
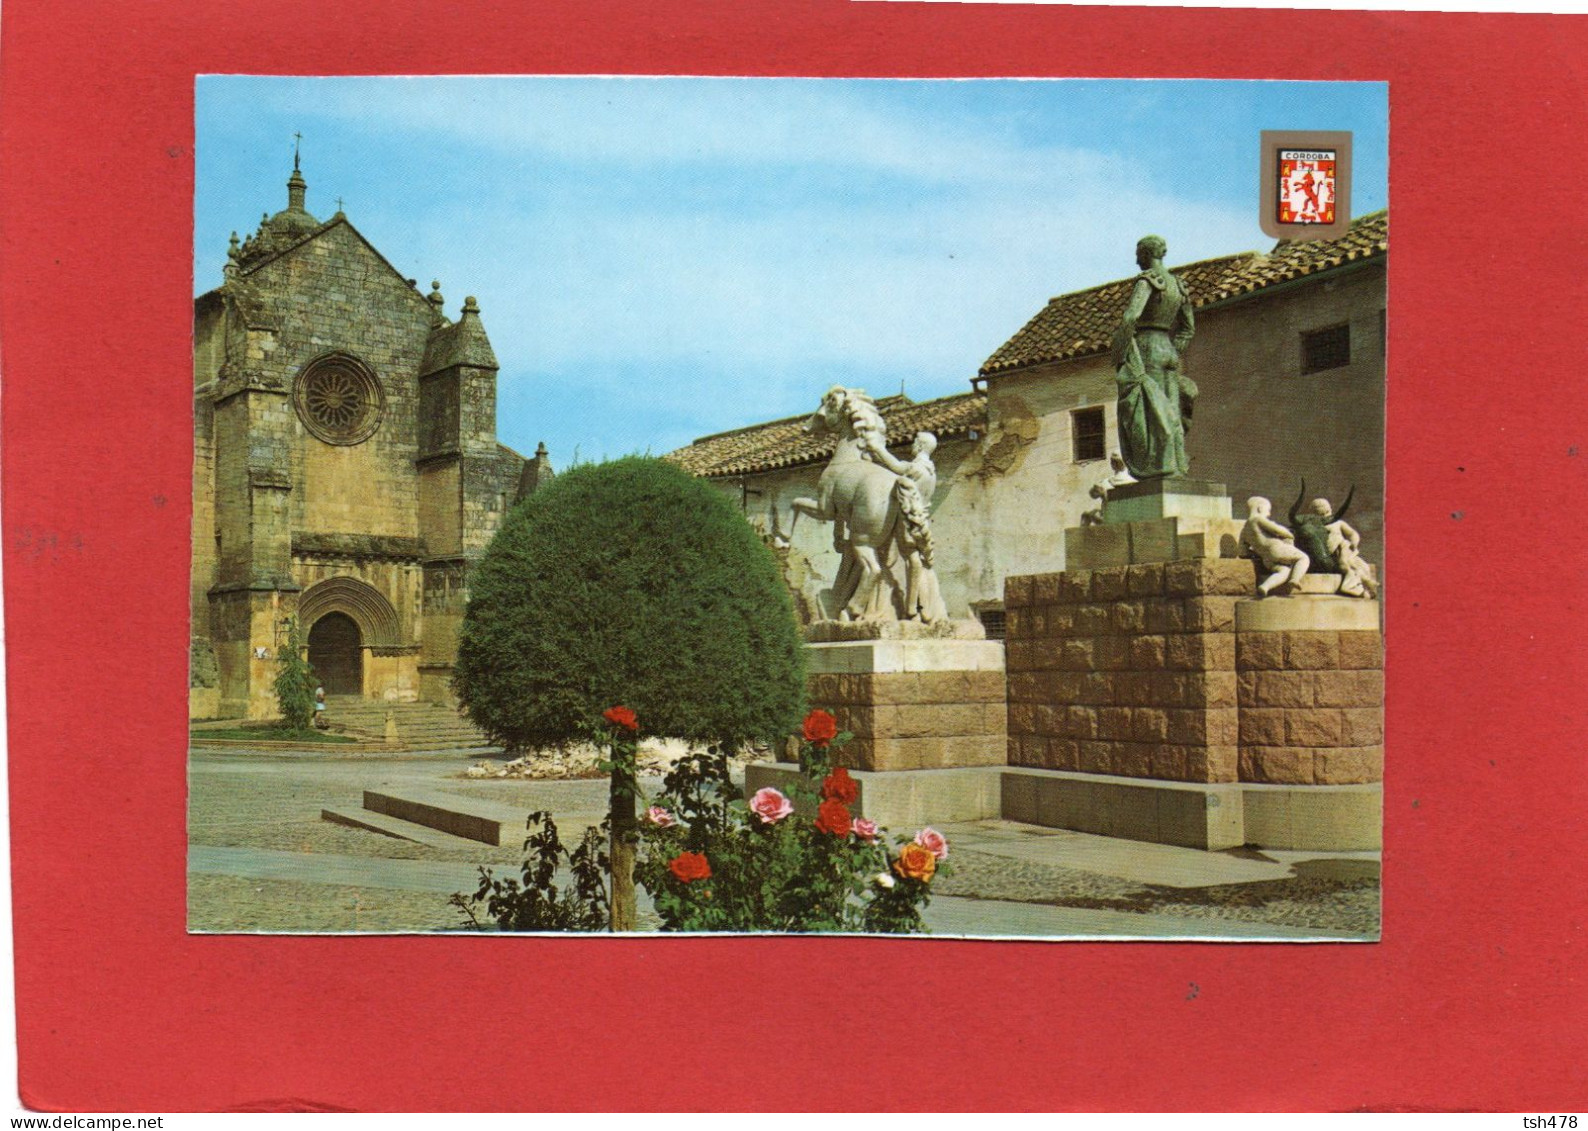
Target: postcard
1032	315
675	504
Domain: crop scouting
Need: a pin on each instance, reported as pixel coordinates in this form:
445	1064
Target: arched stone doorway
336	652
355	642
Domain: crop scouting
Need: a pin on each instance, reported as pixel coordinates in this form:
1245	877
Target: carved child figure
1119	477
1274	546
1358	578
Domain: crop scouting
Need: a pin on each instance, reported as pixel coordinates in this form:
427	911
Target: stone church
346	468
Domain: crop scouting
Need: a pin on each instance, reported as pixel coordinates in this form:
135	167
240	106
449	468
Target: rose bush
542	900
781	863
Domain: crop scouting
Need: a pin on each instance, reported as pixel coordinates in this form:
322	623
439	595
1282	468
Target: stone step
374	822
402	719
467	817
379	725
420	726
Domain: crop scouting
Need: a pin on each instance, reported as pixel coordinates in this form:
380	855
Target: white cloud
660	121
746	239
861	287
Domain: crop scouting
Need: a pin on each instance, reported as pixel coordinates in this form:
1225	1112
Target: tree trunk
625	836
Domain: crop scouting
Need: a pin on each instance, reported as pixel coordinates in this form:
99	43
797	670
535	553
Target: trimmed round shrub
633	583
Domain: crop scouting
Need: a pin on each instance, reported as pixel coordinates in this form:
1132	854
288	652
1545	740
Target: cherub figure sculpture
1119	477
1333	544
1273	546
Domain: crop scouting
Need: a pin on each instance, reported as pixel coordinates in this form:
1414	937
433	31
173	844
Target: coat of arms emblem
1306	186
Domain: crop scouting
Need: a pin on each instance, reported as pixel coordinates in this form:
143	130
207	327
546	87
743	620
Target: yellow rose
916	862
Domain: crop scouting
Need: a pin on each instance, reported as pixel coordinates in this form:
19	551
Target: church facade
346	468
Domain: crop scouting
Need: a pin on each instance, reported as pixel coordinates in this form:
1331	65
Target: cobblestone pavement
303	874
1344	904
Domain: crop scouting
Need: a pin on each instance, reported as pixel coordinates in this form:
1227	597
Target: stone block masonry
1128	671
1171	671
913	704
1310	689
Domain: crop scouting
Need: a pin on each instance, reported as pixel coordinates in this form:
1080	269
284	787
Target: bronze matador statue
1155	397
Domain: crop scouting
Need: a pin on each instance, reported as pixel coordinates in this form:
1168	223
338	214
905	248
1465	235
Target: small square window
1328	348
1090	434
993	621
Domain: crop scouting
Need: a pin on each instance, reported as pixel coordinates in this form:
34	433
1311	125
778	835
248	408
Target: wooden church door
337	654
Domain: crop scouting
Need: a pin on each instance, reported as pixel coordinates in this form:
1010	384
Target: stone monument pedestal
1310	693
1157	520
1152	696
915	696
928	710
1152	499
1142	693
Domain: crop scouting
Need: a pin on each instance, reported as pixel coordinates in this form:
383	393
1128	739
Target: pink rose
934	840
770	806
659	817
864	829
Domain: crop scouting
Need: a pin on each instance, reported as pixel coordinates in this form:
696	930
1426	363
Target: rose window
339	400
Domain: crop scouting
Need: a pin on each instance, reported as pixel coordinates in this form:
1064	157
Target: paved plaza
262	859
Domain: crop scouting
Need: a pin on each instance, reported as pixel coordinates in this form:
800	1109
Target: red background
1473	1000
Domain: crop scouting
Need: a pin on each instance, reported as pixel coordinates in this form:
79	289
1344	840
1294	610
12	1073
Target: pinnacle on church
295	219
283	229
297	189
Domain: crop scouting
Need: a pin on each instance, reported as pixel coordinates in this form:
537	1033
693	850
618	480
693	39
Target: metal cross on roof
296	142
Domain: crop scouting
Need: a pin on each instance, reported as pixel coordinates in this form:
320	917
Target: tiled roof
1083	322
786	443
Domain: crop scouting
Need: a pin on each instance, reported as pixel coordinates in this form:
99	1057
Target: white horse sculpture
858	496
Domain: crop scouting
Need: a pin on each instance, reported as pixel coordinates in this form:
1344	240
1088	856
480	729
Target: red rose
820	728
839	786
621	717
833	817
689	866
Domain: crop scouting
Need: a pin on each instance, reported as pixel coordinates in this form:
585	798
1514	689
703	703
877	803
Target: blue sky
660	259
